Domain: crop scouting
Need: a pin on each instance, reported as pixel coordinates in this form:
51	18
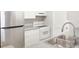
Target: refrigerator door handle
12	27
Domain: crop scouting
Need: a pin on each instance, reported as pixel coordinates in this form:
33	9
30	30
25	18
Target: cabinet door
31	37
29	14
35	36
28	37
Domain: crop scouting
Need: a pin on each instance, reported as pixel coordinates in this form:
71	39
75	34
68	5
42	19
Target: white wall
59	18
49	21
73	17
56	19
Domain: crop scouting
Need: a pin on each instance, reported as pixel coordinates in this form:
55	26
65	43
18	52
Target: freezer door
14	37
0	30
12	18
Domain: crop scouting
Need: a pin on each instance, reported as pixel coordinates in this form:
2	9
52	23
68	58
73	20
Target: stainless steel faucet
70	24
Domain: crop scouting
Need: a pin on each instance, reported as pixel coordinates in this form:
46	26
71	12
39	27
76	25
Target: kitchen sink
63	41
61	37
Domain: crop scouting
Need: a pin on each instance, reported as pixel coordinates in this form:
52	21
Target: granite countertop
33	28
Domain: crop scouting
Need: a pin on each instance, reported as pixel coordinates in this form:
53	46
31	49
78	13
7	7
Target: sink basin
54	40
61	37
63	41
68	42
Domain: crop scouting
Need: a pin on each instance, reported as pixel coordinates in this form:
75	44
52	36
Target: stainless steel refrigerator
12	32
0	30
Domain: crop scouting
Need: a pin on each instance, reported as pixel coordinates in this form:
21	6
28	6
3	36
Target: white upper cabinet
33	14
29	14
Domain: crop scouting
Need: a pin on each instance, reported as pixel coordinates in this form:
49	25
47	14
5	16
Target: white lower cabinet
44	33
31	37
